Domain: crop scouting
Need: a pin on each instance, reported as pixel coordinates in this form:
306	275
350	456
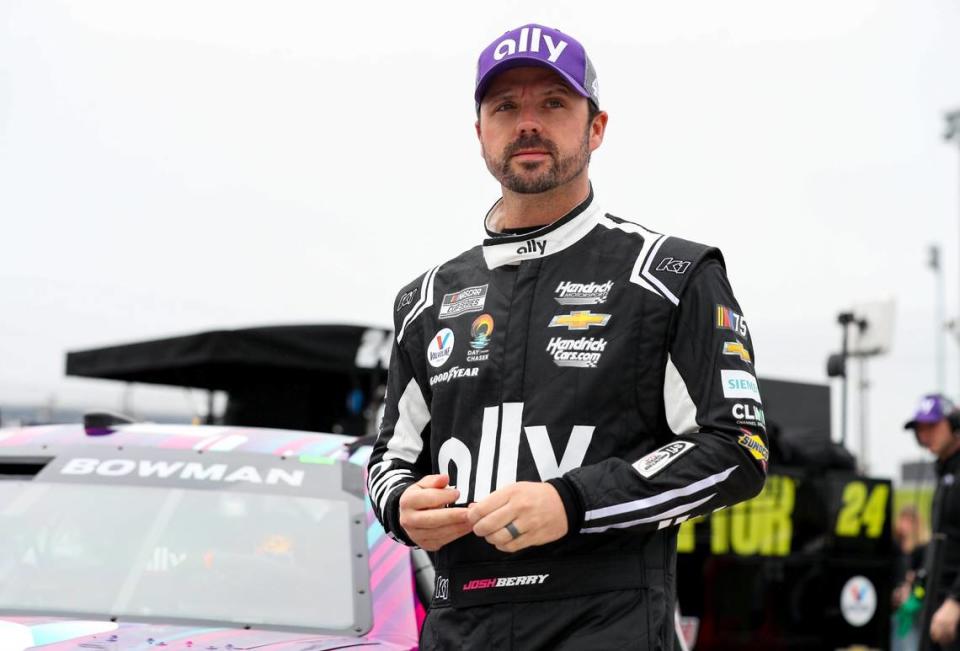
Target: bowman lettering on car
659	459
201	470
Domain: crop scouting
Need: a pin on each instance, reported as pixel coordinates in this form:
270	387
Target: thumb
434	481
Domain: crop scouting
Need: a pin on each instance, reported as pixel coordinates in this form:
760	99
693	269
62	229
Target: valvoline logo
440	348
858	601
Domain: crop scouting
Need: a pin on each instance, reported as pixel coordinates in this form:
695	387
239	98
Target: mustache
530	142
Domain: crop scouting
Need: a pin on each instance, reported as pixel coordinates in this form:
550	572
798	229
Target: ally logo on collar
534	247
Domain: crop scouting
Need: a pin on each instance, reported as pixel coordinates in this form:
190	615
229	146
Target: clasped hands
430	520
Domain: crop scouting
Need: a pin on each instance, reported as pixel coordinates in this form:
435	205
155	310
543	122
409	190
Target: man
563	396
935	425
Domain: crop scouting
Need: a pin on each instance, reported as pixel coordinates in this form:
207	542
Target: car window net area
244	558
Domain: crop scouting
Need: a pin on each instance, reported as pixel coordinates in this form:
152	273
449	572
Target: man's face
936	437
534	130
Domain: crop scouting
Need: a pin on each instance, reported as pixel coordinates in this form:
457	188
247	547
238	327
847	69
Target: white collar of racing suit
499	250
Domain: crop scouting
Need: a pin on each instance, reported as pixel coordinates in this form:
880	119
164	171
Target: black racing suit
605	358
945	512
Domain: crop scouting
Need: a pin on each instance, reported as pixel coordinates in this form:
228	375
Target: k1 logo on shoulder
739	384
471	299
582	293
440	348
657	460
727	319
673	266
407	298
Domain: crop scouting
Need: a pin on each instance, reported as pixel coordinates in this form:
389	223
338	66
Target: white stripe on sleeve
656	500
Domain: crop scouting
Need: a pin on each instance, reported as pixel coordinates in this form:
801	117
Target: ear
597	129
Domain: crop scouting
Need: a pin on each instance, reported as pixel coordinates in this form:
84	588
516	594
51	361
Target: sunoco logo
582	293
584	352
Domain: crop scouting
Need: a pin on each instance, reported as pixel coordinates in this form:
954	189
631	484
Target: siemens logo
739	384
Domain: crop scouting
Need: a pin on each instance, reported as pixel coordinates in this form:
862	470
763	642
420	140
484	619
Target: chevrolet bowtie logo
738	349
580	320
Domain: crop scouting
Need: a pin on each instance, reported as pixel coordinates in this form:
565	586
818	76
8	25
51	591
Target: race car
118	535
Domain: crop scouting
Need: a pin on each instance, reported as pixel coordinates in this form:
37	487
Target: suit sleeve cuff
571	504
393	516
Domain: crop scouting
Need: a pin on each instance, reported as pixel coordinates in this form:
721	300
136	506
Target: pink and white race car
142	536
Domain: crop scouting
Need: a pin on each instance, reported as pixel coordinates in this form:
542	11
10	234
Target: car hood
60	634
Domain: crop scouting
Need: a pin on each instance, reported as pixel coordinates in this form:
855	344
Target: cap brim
522	62
912	424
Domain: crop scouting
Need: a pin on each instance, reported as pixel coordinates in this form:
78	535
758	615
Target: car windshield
143	551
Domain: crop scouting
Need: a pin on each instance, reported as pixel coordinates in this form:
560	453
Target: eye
503	106
554	102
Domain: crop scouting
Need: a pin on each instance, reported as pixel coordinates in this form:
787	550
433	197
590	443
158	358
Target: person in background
936	424
910	538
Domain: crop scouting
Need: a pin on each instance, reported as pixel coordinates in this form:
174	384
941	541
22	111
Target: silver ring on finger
512	530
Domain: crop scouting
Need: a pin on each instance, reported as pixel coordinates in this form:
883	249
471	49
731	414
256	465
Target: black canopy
305	377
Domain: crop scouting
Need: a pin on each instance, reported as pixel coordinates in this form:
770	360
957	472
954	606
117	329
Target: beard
538	176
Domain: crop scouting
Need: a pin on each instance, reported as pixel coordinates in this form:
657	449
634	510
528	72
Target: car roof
219	438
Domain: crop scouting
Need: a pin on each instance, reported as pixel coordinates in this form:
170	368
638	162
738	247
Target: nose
528	123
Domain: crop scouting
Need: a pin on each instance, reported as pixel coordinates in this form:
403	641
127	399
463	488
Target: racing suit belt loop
544	579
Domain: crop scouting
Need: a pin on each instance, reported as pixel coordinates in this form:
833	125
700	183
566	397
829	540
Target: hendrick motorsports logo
584	352
453	373
181	470
582	293
466	300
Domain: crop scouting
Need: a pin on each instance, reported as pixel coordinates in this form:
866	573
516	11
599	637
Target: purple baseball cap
536	45
932	409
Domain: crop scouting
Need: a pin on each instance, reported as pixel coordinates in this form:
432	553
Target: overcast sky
170	167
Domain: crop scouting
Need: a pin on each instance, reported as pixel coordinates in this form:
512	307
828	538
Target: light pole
952	134
940	328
